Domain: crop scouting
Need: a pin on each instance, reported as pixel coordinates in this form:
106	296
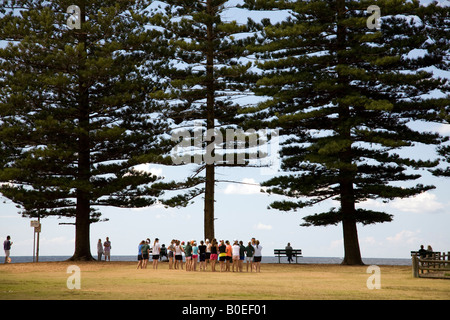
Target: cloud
261	226
337	243
247	186
370	241
424	202
405	236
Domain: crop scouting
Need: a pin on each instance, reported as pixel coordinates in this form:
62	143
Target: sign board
37	229
34	223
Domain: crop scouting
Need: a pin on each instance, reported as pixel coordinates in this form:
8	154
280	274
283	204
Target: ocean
268	259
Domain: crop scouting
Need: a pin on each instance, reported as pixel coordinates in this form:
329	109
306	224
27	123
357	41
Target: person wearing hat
155	251
194	255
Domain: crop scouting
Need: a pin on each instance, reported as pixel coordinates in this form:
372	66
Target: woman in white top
257	256
208	252
155	251
235	254
178	255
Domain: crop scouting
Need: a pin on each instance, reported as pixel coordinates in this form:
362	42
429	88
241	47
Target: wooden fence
434	265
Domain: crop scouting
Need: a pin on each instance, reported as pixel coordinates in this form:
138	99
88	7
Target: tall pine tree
344	92
205	75
74	108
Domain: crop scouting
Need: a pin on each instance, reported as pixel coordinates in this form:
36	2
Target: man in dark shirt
422	252
289	252
7	247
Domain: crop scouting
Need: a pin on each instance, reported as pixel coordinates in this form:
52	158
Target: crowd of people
193	256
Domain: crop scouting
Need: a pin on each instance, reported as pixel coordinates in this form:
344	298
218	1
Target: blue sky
241	212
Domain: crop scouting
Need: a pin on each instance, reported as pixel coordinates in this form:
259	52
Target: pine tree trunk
82	230
209	203
351	245
210	174
352	254
82	223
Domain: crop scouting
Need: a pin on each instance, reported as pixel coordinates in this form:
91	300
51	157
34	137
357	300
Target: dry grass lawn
121	280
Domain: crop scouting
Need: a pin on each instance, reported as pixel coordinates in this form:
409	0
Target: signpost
36	224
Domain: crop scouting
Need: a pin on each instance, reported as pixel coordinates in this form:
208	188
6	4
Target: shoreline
265	260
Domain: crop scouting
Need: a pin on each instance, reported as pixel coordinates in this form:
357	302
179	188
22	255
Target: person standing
178	255
241	255
107	249
171	253
155	253
235	255
188	255
202	255
140	256
7	247
222	255
208	252
194	255
145	251
258	256
249	251
213	256
229	252
99	250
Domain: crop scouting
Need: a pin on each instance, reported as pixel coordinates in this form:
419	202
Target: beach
120	280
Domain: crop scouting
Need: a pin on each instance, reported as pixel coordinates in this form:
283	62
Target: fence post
415	266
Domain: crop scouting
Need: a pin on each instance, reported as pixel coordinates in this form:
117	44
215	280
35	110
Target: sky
241	213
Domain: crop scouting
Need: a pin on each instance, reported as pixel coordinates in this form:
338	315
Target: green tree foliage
343	96
75	114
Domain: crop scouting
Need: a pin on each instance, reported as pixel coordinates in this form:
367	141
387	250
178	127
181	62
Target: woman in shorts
249	251
178	255
140	257
208	252
155	253
229	253
194	255
145	249
222	255
202	255
214	254
258	256
170	252
236	255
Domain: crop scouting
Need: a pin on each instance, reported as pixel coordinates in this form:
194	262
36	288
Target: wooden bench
294	252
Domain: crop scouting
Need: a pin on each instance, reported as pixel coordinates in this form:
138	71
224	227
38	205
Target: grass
122	281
